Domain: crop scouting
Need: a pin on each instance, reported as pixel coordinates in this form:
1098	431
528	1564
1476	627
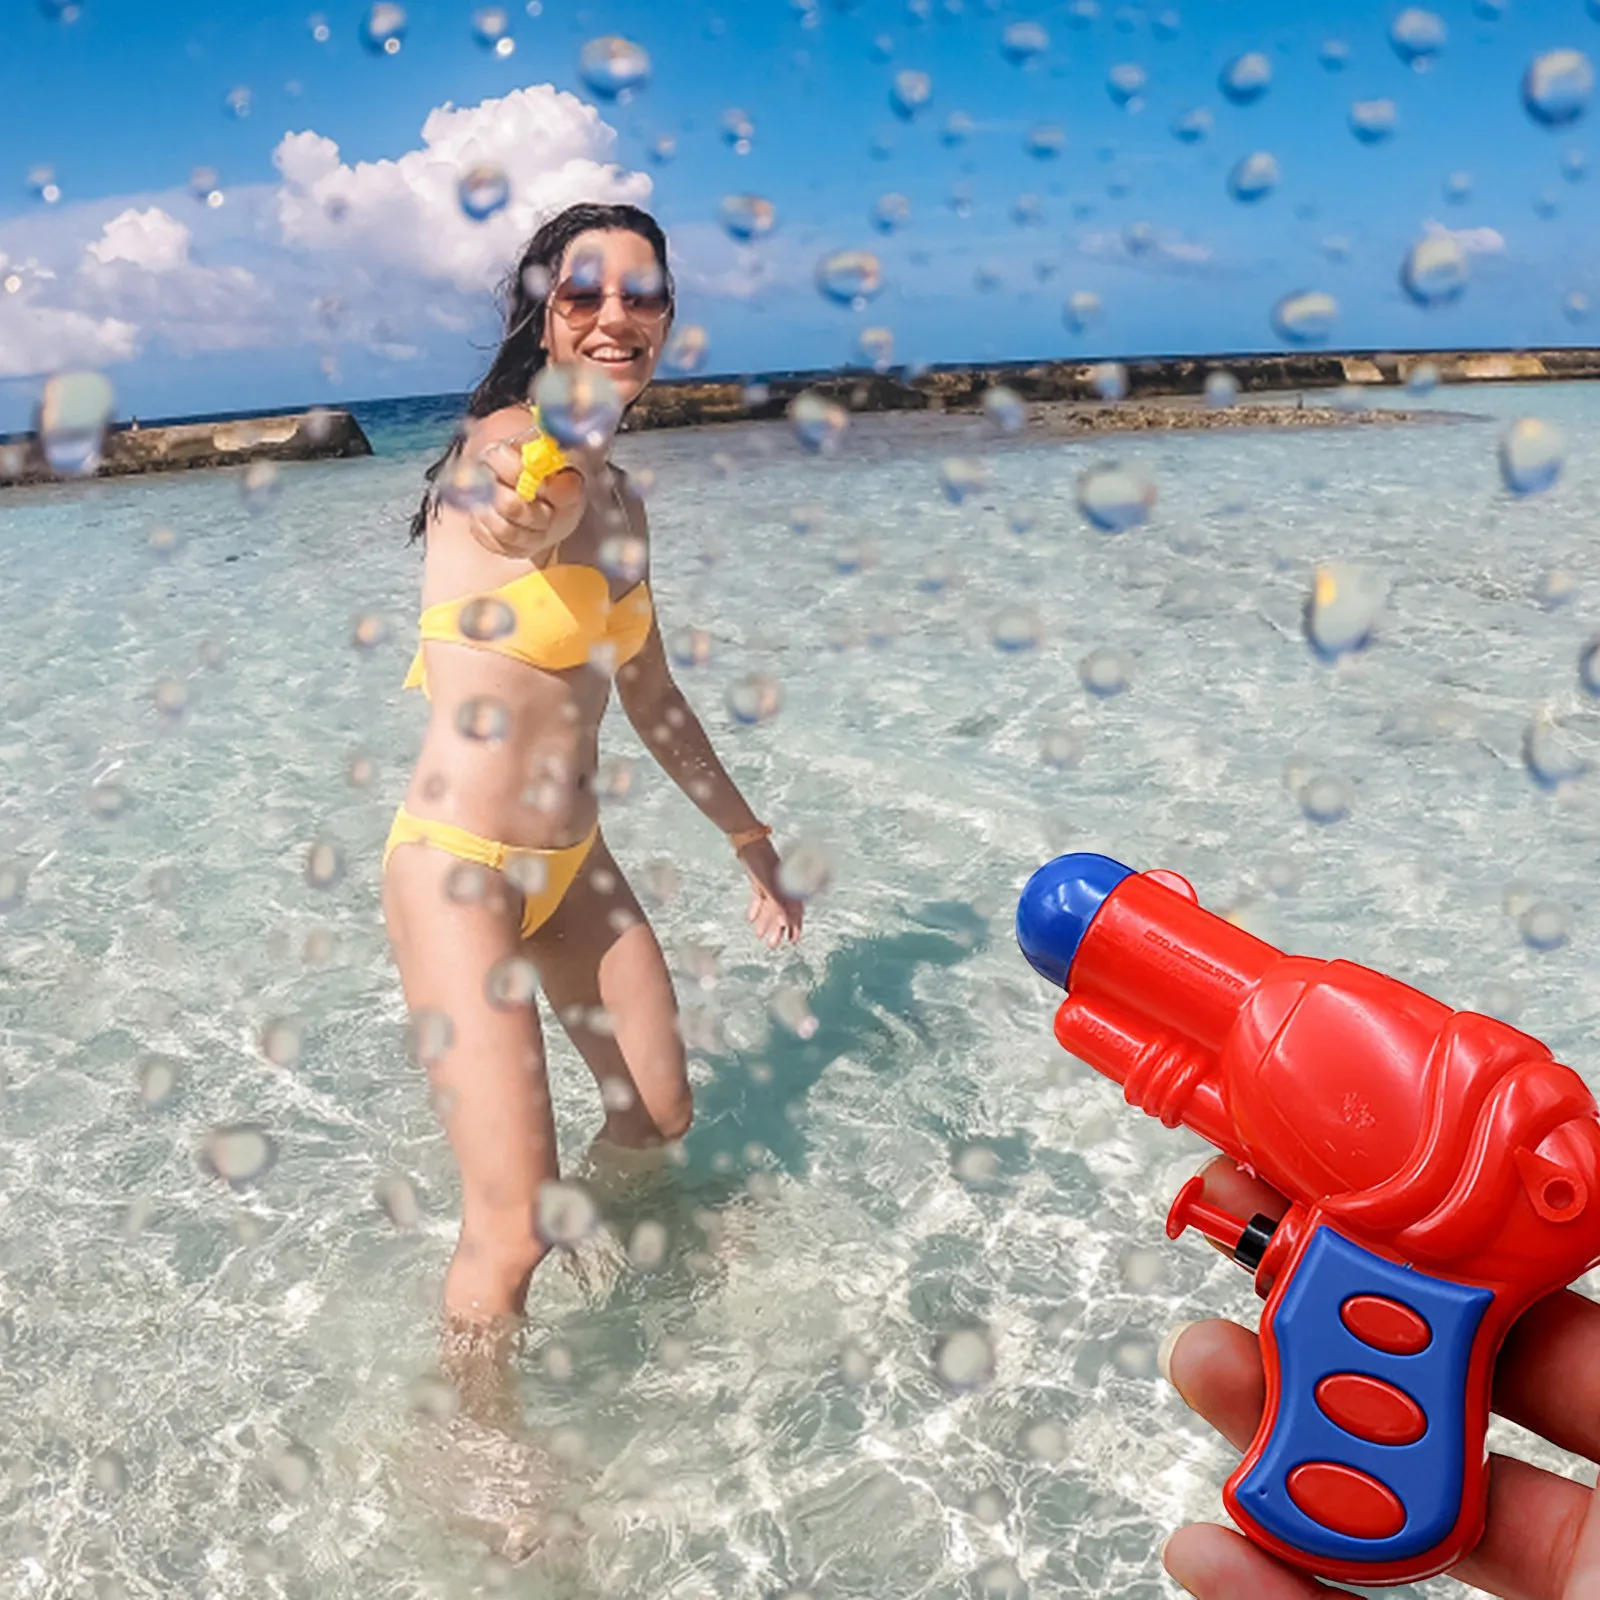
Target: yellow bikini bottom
543	876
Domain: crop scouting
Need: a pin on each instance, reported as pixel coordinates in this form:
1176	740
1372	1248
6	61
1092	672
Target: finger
1216	1367
1228	1185
504	460
1533	1516
1548	1377
1215	1563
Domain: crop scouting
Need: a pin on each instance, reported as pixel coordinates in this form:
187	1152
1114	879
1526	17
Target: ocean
213	1390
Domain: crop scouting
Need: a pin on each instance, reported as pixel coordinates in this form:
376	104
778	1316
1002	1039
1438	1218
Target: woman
497	876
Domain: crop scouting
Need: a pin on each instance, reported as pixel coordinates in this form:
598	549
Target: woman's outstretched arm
663	718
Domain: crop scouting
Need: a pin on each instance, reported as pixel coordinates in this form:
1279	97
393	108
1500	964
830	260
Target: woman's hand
1542	1537
525	529
776	915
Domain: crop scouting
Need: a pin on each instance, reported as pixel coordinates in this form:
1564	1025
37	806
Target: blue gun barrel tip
1057	906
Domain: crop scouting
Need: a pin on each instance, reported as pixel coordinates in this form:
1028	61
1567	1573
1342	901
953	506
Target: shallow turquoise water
763	1412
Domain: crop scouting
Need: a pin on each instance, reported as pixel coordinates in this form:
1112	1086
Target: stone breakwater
687	403
304	436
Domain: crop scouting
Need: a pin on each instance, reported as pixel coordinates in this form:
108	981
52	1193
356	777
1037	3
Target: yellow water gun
542	458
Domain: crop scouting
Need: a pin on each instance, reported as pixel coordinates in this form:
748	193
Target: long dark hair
524	293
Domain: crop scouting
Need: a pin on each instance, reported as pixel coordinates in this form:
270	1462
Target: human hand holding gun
1412	1187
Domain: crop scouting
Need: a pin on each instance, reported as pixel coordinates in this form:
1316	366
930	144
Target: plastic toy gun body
1443	1172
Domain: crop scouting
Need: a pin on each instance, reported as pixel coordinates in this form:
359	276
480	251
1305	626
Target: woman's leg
489	1088
606	979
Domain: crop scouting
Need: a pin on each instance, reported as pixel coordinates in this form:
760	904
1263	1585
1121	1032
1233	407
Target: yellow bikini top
554	618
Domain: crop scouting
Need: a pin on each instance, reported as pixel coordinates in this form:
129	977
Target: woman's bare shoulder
506	423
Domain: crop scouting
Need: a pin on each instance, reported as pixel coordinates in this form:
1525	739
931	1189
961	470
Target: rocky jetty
303	436
689	403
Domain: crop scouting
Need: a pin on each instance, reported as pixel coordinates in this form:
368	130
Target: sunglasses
582	302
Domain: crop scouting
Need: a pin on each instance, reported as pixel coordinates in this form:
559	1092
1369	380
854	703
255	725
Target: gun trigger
1558	1194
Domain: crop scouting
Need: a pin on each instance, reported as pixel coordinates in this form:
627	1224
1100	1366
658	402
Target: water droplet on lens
1015	629
756	697
487	618
957	128
171	697
747	216
1246	78
1023	42
73	413
1325	798
1373	121
1045	1441
850	277
1435	270
157	1078
790	1007
611	67
1109	380
512	984
1192	126
909	93
686	351
961	477
1418	36
1083	307
108	799
964	1360
281	1042
290	1470
1125	83
690	647
110	1473
567	1214
1115	498
1532	453
483	190
429	1035
1005	409
1422	379
484	719
877	345
647	1246
1061	748
1255	177
976	1165
578	406
818	422
1046	140
1343	608
806	869
1545	925
384	30
1104	672
1334	54
324	865
1221	389
1557	87
238	1152
1558	750
1305	317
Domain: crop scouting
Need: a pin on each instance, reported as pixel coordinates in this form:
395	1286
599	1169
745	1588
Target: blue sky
262	301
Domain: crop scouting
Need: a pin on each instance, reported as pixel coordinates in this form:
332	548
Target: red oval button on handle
1345	1500
1385	1324
1371	1409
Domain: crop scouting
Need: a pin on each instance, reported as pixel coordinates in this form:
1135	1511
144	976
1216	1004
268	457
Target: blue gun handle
1364	1456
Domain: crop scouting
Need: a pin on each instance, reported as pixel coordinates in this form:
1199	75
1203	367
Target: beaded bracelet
749	836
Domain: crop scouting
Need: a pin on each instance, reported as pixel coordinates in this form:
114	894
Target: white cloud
1142	245
139	271
37	339
706	261
406	214
149	239
1474	241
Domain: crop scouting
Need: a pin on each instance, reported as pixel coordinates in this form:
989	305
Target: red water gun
1443	1173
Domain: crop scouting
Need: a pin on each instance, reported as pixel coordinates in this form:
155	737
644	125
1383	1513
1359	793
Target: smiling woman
497	878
